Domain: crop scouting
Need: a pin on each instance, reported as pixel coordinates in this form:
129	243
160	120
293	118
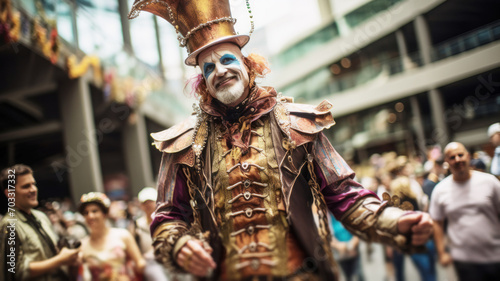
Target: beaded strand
252	26
136	8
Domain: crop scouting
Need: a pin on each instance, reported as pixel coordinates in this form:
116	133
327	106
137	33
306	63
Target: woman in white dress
107	253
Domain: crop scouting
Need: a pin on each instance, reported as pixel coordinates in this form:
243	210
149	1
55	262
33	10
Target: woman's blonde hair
401	187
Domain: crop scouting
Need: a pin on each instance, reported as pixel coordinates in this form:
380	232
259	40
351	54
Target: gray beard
231	94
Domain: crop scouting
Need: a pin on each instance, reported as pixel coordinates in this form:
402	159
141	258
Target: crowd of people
95	240
250	188
104	240
460	190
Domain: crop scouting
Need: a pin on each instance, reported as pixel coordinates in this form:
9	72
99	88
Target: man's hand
419	225
65	257
195	258
68	256
445	259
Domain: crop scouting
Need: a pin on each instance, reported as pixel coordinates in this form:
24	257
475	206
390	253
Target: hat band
183	40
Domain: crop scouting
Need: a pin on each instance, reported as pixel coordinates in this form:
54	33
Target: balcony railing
331	31
468	41
371	71
386	68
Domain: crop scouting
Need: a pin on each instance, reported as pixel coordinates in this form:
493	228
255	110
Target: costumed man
245	184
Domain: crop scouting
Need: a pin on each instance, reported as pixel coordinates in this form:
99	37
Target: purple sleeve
341	195
336	178
177	207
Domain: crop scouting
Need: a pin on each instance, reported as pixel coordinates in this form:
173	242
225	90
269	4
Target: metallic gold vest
249	209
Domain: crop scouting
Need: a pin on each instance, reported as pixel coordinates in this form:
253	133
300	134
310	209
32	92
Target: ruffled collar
237	121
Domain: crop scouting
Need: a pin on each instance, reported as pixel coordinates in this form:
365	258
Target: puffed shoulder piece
177	137
310	119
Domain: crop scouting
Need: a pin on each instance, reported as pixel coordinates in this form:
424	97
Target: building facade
82	86
81	89
402	74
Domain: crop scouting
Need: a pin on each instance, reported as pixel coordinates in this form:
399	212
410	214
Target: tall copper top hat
199	24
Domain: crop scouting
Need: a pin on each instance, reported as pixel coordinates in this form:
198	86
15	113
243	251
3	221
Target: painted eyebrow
206	72
228	56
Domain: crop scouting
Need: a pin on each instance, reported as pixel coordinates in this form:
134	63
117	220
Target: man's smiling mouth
224	81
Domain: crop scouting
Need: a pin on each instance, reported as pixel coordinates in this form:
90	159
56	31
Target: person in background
35	245
478	165
147	199
346	250
385	180
56	219
470	202
494	135
75	227
424	262
435	175
107	253
118	214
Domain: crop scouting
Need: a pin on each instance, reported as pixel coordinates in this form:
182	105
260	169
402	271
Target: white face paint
225	73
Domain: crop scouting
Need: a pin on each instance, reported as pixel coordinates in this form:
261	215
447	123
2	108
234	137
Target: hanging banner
10	22
76	70
50	48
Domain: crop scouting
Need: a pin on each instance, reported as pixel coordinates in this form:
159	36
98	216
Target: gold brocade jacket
256	183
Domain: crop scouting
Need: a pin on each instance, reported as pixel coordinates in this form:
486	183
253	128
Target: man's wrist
57	261
441	252
180	243
389	220
165	238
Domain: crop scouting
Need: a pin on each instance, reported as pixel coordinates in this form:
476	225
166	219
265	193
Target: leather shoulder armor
300	121
177	137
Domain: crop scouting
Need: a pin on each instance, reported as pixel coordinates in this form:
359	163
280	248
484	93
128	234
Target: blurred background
82	87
